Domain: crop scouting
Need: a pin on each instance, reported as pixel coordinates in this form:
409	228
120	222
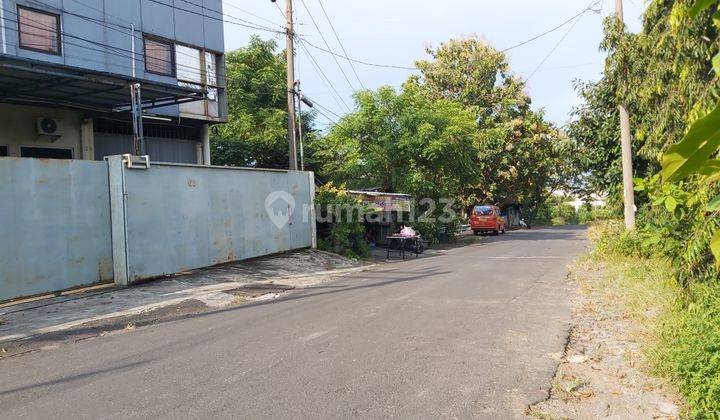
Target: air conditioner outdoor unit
49	127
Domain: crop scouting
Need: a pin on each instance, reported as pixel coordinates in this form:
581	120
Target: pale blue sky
397	32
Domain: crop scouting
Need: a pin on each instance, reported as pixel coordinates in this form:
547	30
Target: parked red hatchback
487	219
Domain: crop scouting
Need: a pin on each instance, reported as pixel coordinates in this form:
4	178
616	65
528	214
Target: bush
688	350
565	214
347	231
674	224
685	342
554	211
612	240
685	346
588	213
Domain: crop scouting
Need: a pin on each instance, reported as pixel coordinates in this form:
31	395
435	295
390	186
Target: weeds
681	323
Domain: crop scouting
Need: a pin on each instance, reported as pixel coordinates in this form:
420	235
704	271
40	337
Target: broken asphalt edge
197	292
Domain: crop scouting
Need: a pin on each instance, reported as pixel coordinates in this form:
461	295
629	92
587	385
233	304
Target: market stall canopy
32	82
384	202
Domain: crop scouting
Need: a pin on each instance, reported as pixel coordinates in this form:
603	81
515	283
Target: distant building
66	68
577	202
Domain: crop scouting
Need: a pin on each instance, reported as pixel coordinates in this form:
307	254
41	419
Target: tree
665	76
401	142
473	73
661	74
256	133
519	156
462	129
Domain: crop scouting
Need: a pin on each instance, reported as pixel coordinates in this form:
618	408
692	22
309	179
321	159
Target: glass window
3	151
159	57
39	31
189	67
483	210
211	68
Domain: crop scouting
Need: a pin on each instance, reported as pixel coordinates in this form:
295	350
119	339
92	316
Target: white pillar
205	133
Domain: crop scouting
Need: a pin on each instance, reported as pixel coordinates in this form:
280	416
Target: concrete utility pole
626	141
290	51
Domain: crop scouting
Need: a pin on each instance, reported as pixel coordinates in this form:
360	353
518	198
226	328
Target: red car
487	219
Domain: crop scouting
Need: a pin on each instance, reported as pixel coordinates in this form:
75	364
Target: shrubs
685	346
611	239
343	213
557	211
688	349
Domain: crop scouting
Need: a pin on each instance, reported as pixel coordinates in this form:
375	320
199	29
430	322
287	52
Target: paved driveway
467	333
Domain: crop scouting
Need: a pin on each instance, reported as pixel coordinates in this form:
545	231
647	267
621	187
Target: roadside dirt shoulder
600	374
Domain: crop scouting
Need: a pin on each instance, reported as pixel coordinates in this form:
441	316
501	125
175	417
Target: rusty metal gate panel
54	225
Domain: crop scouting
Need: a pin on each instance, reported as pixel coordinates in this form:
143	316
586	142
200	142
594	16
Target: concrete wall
19	128
180	217
54	225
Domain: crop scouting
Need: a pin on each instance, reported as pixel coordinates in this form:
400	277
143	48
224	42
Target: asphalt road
464	334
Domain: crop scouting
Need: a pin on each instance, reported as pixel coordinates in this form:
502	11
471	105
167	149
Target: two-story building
66	67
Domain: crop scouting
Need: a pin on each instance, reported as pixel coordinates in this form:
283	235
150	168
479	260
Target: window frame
58	31
204	84
203	66
68	149
6	149
160	40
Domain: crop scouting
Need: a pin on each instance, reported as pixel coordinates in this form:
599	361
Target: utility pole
290	52
626	142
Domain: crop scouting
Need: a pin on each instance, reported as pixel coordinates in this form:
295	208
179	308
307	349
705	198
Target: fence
72	223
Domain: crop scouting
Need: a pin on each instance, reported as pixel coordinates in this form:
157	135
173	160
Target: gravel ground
601	371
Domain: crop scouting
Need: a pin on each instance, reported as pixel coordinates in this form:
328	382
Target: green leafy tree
402	142
475	74
519	156
696	154
256	132
660	74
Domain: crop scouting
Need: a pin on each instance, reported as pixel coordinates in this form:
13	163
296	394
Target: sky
397	32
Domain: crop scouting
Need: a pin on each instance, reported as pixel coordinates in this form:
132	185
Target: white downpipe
132	54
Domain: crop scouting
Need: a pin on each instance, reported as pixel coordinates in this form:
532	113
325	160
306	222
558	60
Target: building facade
67	67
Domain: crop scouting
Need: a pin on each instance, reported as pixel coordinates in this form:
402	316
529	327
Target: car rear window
483	210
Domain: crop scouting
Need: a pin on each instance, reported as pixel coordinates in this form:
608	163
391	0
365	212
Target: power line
366	63
549	31
229	3
242	22
560	41
337	37
312	18
107	49
322	74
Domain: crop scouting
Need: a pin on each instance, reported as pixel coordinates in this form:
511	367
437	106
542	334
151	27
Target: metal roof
36	82
378	193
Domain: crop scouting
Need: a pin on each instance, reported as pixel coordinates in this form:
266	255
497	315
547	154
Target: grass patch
680	327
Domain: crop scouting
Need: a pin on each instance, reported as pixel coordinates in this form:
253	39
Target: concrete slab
211	286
